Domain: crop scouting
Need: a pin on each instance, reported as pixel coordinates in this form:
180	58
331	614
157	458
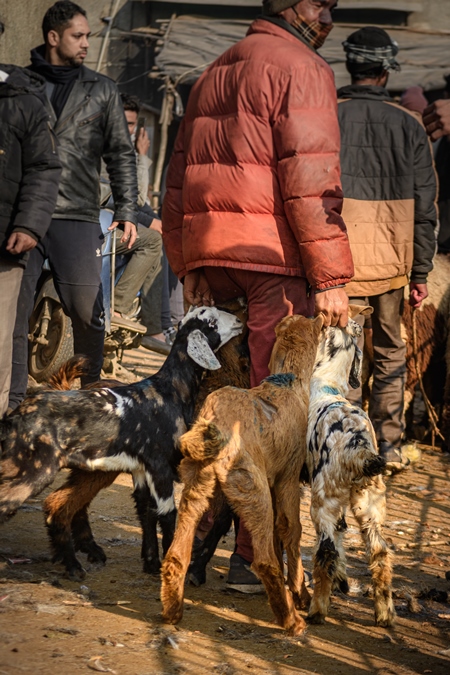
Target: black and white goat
133	428
344	470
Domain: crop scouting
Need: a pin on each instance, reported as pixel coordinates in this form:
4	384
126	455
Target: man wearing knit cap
389	209
253	202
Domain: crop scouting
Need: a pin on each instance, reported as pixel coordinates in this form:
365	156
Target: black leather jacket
29	164
92	127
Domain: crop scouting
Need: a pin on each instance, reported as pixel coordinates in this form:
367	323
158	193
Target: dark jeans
172	297
143	266
162	302
389	371
73	249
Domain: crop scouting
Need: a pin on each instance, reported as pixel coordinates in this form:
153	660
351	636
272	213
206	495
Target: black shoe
241	577
395	463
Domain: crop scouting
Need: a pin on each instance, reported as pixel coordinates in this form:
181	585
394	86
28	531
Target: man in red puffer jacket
253	197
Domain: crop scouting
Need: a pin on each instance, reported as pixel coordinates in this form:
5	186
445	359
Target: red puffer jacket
254	181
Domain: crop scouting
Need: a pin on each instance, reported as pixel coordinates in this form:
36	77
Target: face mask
314	33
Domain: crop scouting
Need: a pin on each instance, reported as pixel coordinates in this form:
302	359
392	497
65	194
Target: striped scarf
314	33
383	56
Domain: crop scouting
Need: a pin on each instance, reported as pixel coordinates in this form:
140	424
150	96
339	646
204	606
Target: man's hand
417	293
333	304
19	242
436	118
129	231
142	142
156	224
196	289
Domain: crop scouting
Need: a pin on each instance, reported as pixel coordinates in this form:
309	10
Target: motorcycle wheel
45	360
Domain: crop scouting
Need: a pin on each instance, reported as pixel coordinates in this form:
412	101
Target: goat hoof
316	619
343	586
302	600
385	619
96	554
172	616
297	627
152	566
196	575
76	573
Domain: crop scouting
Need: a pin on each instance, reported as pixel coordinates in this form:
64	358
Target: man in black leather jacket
29	174
86	113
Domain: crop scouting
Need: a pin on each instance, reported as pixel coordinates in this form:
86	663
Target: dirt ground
110	622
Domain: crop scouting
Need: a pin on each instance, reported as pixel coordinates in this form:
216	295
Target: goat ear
276	362
354	379
199	350
319	321
354	310
282	326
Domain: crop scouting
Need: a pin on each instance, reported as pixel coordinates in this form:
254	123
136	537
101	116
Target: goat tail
203	442
12	495
75	367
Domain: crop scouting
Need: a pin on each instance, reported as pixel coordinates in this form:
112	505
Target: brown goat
66	509
252	444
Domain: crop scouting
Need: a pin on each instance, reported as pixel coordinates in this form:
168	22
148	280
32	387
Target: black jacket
92	126
389	186
29	164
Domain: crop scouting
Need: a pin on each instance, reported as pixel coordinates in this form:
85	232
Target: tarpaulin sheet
193	43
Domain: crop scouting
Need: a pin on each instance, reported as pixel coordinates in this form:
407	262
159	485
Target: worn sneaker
241	577
395	463
170	334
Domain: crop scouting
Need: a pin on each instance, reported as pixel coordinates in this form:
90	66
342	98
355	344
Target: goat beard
315	33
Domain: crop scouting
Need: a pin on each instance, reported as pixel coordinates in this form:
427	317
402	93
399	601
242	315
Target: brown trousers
10	278
270	298
389	373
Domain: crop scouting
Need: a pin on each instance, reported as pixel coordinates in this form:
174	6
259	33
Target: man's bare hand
436	118
142	142
156	225
196	289
129	231
333	304
417	293
19	242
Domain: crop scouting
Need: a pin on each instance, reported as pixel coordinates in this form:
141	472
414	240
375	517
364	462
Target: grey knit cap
272	7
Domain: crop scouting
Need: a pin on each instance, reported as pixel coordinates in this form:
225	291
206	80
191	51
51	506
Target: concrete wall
435	15
23	19
428	14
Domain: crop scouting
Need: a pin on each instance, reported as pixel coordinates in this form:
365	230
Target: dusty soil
110	622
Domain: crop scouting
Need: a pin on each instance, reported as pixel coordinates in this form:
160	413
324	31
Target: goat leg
84	539
252	501
326	515
62	506
199	487
167	524
203	553
288	527
340	580
369	507
146	508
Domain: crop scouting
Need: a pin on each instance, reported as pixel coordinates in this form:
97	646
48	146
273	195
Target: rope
432	415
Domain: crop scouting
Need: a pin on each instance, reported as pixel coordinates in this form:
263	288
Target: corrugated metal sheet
194	42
